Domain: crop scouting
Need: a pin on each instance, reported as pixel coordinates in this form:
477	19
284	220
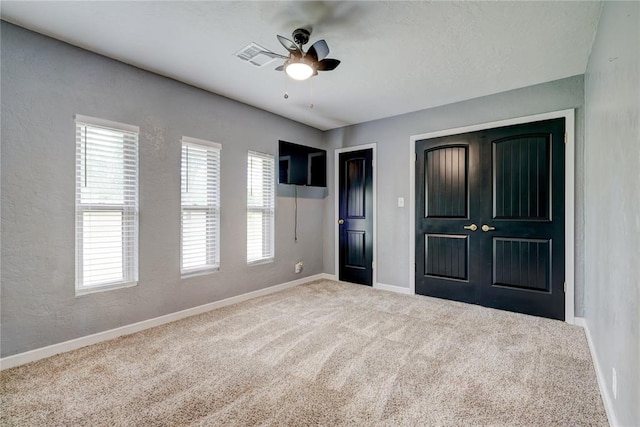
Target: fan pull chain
311	102
286	93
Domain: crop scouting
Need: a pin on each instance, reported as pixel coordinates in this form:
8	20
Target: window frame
262	209
129	210
212	208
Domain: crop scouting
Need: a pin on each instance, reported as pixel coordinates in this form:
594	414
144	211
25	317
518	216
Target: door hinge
415	267
565	287
372	265
415	157
565	138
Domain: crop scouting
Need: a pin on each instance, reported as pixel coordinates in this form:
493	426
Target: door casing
336	204
569	116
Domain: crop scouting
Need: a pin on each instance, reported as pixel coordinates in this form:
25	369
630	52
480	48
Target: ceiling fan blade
319	50
280	68
273	54
327	64
288	44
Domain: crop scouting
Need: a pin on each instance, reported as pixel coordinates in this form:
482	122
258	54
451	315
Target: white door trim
569	180
336	203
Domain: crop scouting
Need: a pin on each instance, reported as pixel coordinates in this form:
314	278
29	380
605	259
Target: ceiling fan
301	65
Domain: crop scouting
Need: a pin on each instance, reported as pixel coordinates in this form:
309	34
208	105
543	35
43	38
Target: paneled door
356	217
490	218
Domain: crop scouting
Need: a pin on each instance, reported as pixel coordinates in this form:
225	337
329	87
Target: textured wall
44	83
612	203
392	137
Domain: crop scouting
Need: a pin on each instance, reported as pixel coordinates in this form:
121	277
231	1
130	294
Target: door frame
569	202
336	206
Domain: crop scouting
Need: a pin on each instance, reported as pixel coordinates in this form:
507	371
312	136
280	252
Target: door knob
341	221
486	228
471	227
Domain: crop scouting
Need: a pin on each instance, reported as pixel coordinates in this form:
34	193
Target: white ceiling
397	56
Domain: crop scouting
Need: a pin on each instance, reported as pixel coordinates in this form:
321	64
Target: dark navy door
356	217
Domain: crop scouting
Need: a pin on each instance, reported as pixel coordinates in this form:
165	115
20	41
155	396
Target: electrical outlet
614	383
299	267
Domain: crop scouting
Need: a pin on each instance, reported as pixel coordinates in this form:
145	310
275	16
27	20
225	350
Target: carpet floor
324	353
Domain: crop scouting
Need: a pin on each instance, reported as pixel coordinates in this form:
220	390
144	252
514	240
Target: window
200	237
260	207
106	204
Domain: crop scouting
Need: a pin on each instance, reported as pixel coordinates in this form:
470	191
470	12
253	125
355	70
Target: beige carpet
320	354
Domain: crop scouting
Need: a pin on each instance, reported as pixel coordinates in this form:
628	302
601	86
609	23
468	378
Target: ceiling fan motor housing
301	36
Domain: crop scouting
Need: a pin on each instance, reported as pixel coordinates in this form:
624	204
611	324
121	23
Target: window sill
194	273
97	289
260	262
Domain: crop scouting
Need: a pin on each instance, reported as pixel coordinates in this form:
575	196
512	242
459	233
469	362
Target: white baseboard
392	288
327	276
602	383
63	347
580	321
378	285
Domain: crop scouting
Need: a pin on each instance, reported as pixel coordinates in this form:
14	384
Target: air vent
253	54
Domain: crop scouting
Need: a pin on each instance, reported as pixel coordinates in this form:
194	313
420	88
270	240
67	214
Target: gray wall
612	203
44	83
392	138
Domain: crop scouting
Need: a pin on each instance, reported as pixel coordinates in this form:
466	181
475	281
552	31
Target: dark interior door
490	218
356	217
448	182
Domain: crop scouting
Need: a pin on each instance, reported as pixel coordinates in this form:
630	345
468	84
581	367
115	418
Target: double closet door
490	218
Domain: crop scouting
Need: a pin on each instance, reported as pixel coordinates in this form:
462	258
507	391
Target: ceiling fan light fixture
299	70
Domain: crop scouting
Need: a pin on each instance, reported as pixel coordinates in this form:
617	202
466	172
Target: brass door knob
471	227
341	221
486	228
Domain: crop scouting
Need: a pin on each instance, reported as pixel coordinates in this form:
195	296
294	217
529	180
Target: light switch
401	202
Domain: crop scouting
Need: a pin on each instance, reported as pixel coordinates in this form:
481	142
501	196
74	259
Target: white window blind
260	207
200	240
106	204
